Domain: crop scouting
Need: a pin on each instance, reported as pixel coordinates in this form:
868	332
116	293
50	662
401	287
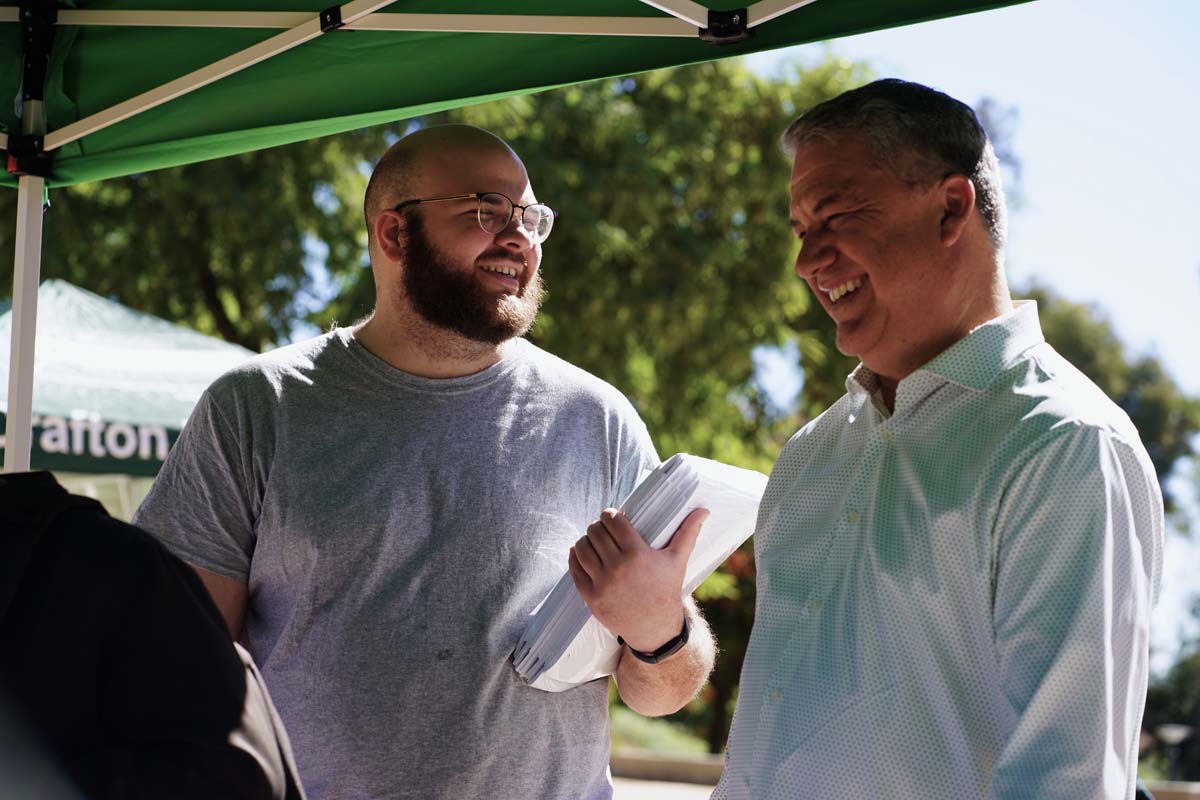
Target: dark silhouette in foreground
118	678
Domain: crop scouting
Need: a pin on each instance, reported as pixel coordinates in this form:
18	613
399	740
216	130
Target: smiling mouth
840	291
500	270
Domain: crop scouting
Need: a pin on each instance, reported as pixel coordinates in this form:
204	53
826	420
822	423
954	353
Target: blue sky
1106	94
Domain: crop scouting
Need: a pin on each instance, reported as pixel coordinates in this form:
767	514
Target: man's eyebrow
830	198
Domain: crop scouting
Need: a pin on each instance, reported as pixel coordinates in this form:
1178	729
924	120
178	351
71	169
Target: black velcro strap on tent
331	19
37	37
26	156
726	27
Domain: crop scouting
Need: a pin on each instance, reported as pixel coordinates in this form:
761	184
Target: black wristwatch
667	649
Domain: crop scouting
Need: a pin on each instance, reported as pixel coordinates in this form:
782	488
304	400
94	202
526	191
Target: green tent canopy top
113	386
389	61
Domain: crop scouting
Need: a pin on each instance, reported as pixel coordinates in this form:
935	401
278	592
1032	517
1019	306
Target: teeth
509	271
846	288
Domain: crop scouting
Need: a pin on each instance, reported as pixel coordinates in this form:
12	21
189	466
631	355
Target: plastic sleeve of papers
563	645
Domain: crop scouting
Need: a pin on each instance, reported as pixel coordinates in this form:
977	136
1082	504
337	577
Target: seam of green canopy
381	21
279	43
301	28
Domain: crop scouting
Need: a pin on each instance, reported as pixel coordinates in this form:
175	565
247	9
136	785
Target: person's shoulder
830	421
816	437
109	546
1051	396
561	377
271	372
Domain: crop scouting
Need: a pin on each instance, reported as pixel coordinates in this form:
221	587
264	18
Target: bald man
377	511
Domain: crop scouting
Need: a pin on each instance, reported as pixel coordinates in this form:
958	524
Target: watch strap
670	648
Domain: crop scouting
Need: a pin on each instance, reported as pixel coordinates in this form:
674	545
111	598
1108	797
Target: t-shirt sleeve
1078	547
634	454
204	504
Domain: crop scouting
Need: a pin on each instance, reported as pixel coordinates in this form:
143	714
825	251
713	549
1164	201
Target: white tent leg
27	269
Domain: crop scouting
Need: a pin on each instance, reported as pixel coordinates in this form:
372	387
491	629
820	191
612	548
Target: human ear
958	203
390	229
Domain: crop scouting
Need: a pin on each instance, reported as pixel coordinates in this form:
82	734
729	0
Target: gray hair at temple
919	134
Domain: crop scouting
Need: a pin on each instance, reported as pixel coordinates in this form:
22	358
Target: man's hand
634	590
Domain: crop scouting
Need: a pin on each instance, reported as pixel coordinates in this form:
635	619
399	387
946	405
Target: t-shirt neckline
517	353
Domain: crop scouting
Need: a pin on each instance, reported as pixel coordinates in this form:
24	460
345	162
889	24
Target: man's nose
515	235
816	253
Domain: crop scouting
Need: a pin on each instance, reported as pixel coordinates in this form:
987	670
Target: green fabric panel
344	80
77	455
100	366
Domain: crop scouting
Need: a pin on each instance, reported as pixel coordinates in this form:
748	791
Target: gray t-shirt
395	532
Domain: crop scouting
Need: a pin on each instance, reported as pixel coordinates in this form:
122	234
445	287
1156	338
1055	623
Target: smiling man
957	560
378	510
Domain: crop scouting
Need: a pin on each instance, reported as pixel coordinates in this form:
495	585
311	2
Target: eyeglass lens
495	212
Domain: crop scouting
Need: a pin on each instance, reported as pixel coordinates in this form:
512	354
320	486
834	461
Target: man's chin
854	337
498	325
846	345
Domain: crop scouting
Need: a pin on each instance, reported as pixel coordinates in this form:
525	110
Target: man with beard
378	510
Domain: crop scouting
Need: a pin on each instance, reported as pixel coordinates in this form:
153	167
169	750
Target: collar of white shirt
972	362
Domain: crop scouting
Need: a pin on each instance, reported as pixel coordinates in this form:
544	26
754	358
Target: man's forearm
663	688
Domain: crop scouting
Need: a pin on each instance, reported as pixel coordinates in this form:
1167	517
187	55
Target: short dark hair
389	182
918	133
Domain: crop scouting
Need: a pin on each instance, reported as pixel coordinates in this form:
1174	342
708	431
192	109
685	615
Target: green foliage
632	731
727	599
219	246
1175	699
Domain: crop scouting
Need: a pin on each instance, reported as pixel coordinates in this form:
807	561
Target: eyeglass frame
478	196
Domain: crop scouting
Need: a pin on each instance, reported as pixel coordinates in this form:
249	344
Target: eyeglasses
496	211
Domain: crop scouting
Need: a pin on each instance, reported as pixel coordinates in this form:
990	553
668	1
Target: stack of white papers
564	645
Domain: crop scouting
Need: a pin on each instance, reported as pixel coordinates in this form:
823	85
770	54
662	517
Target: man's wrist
667	649
652	629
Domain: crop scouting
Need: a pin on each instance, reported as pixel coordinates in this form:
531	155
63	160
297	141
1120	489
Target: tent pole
27	267
686	10
28	160
767	10
379	21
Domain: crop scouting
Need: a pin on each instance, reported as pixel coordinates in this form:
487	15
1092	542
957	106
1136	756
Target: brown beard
446	296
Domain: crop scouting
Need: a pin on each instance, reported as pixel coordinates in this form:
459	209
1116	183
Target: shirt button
776	693
815	605
887	434
852	516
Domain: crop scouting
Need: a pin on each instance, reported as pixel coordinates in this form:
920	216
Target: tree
1175	699
226	247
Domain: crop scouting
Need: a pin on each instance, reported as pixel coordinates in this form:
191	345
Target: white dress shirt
953	599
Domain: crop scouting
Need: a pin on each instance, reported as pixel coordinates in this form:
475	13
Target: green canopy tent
113	386
114	87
